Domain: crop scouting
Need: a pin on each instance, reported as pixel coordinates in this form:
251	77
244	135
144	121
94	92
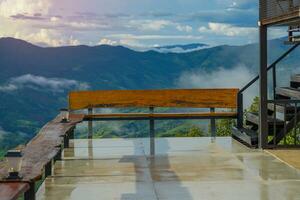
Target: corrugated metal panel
272	11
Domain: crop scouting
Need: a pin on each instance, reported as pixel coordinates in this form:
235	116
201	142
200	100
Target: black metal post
290	37
213	126
58	155
30	194
274	123
274	82
66	141
263	88
71	134
90	124
48	169
295	123
240	111
152	134
284	125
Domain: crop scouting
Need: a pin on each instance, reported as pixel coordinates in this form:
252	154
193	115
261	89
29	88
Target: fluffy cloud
158	25
228	30
3	133
78	25
184	28
239	76
241	4
55	19
105	41
8	87
158	37
14	7
150	25
140	40
40	82
46	37
236	77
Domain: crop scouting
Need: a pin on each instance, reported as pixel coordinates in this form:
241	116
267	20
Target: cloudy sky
140	23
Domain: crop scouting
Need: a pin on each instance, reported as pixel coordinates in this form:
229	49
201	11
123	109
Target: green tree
224	127
195	131
254	106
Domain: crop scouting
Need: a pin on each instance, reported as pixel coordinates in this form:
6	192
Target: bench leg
66	141
48	169
71	134
152	135
152	138
30	194
58	156
90	124
213	127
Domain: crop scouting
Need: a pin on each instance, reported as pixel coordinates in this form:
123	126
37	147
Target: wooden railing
38	156
240	119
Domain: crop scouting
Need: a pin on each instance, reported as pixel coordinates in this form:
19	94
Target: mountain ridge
34	81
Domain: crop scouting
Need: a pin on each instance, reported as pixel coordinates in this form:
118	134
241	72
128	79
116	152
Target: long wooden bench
177	98
181	98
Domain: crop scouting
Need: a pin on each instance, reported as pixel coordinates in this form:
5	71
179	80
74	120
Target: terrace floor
183	168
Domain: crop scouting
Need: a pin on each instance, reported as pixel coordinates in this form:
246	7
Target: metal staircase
276	123
293	34
283	118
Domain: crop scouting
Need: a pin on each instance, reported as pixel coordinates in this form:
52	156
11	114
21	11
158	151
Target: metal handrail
240	93
270	67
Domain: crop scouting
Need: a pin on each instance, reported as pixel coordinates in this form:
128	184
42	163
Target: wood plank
254	119
43	147
290	156
288	92
289	110
189	98
11	191
162	115
288	18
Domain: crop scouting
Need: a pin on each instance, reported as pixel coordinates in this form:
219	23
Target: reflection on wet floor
184	168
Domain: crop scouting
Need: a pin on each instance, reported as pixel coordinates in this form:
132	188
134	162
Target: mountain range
34	81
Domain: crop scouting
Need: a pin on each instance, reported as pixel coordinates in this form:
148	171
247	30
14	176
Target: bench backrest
184	98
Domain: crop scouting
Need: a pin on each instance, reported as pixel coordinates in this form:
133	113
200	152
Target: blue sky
139	23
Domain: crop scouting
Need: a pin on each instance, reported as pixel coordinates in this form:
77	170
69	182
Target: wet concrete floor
183	168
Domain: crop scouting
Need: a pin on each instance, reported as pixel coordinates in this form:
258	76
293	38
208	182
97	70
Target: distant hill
34	81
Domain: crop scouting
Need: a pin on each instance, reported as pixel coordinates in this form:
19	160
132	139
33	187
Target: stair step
294	30
293	42
245	136
289	109
253	118
288	92
295	78
295	81
295	38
